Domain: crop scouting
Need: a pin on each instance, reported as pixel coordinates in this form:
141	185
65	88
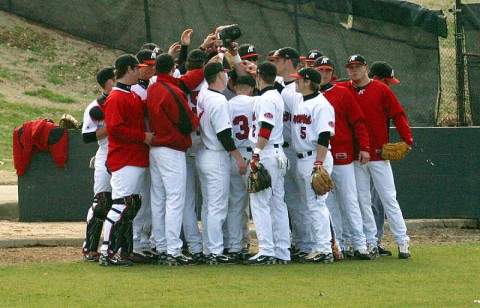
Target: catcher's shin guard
102	203
132	206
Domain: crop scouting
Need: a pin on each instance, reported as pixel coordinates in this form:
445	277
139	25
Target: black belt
276	146
304	154
249	149
285	145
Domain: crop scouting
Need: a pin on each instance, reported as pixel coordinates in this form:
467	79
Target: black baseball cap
105	74
152	47
323	62
147	56
286	53
213	69
383	70
312	55
356	59
197	55
247	51
127	60
308	73
247	80
267	69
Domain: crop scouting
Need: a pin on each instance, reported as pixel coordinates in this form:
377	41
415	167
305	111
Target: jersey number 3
242	122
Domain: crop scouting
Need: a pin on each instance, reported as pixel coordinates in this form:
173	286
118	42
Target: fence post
147	20
460	65
297	30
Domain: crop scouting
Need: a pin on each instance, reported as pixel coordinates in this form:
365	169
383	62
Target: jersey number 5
242	123
303	132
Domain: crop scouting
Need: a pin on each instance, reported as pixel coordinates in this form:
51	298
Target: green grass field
436	276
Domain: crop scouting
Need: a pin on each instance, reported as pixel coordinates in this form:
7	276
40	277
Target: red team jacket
125	123
350	126
164	114
33	137
379	103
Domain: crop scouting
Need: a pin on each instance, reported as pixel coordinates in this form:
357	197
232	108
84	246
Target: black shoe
137	256
318	257
214	259
115	260
162	258
384	252
362	255
153	255
237	256
298	256
91	256
198	257
373	251
261	260
281	261
180	259
403	251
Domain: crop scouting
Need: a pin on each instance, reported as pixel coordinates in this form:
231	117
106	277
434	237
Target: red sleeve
192	78
115	117
397	114
357	121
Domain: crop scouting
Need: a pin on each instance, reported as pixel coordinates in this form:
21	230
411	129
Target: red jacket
379	104
35	136
164	114
349	123
125	123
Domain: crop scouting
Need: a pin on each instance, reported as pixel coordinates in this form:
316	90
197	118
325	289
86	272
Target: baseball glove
321	181
395	151
69	122
259	179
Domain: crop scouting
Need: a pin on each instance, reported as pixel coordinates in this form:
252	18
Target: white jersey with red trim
287	114
212	110
310	117
241	113
268	108
91	125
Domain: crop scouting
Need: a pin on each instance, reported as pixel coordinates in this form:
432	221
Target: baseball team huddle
280	141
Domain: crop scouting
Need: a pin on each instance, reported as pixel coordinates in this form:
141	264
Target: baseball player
313	123
248	52
381	71
93	130
286	61
142	224
172	121
378	103
127	159
342	201
241	111
213	161
312	55
269	211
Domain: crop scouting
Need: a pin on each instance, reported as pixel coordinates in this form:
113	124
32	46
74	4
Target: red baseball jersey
124	119
379	104
350	126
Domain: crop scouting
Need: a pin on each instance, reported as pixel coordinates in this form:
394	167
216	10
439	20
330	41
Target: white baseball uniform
312	115
269	211
241	112
213	165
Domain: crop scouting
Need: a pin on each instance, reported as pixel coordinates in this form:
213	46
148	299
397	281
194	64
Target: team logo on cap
250	49
325	60
352	58
313	55
391	75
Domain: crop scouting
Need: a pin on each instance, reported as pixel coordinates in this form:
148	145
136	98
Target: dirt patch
8	178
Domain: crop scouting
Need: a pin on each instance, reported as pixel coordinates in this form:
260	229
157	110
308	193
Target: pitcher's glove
320	180
68	121
259	178
395	151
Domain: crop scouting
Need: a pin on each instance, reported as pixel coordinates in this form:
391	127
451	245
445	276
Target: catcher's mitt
67	121
395	151
259	179
321	181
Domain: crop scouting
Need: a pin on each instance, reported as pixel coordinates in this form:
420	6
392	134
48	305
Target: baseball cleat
261	260
282	262
91	256
180	259
116	260
198	257
362	254
215	259
319	257
162	258
137	256
298	256
384	252
373	251
403	251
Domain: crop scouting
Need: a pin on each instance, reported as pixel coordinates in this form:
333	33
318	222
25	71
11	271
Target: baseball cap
127	60
267	69
248	80
105	74
308	73
312	55
197	55
247	51
286	53
213	69
383	70
356	59
147	56
323	62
